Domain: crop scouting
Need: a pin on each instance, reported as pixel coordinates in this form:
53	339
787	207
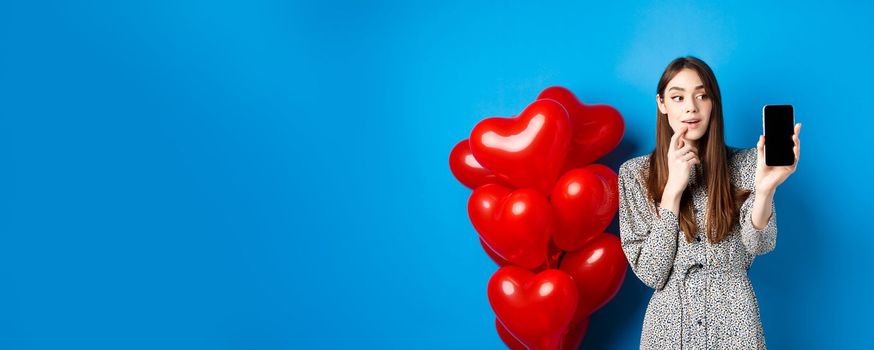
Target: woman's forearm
671	200
762	208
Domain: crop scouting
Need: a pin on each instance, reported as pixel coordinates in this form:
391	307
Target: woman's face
686	103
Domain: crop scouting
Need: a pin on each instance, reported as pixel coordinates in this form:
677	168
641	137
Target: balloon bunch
540	208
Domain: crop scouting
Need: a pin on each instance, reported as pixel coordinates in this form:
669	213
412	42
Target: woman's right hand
681	156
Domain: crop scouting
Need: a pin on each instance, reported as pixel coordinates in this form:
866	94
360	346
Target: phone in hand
778	124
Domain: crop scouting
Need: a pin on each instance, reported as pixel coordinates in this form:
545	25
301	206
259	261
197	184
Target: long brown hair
723	204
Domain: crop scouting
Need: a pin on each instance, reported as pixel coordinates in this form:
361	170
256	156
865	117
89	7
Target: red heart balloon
467	169
508	338
528	150
535	309
607	211
598	270
552	257
494	256
611	183
584	204
514	224
597	129
575	335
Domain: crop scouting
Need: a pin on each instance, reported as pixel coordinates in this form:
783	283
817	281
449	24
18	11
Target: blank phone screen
778	124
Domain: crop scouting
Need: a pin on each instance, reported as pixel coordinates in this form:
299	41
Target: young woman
694	214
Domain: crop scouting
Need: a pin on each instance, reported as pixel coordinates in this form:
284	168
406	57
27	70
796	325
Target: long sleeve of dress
648	240
757	242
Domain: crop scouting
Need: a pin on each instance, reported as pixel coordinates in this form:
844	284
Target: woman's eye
702	97
677	98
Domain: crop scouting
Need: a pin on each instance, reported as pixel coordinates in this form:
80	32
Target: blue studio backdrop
274	175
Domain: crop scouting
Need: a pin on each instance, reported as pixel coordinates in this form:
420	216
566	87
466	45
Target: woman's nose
691	107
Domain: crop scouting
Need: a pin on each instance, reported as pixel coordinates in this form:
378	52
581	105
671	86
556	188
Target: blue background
266	174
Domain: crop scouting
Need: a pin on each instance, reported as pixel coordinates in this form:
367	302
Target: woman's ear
661	103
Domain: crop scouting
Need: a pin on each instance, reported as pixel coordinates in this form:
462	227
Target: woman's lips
693	123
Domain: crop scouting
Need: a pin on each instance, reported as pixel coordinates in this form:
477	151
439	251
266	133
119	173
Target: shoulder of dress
634	166
743	166
742	157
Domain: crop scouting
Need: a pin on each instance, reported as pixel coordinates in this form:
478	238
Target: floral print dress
702	298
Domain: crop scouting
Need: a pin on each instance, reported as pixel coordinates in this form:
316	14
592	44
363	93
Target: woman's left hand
769	177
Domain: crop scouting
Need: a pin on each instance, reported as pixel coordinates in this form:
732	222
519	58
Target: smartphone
778	124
